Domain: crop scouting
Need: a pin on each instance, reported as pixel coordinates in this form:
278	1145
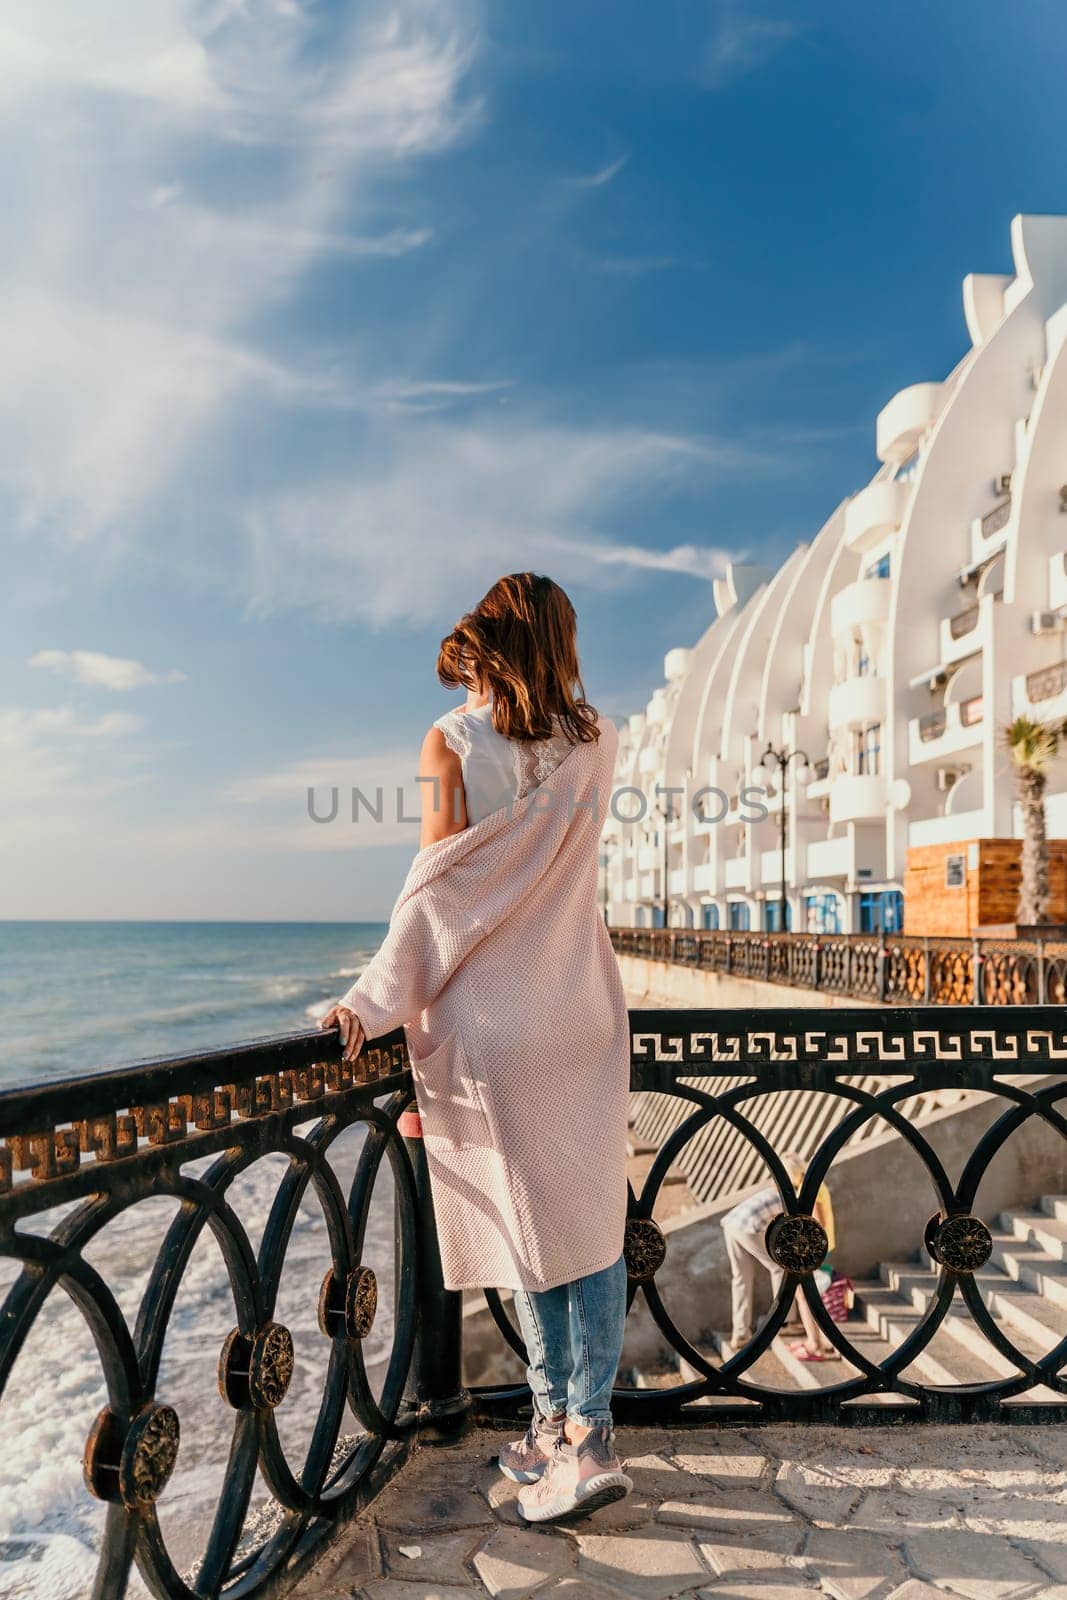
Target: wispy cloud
639	266
99	671
741	41
42	756
597	180
697	561
433	394
134	283
459	504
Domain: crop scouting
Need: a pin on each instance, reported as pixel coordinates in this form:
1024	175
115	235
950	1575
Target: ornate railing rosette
77	1157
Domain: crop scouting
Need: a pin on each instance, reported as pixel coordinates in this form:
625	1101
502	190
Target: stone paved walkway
772	1513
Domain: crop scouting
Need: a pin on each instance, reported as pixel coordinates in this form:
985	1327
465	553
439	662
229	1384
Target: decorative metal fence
78	1156
889	969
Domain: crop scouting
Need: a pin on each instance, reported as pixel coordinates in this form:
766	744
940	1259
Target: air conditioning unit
947	778
1045	622
1002	483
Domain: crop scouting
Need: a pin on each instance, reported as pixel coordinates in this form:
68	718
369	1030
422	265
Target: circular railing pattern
957	1241
136	1441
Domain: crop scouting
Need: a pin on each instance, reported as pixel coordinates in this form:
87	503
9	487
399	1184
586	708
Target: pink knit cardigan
498	964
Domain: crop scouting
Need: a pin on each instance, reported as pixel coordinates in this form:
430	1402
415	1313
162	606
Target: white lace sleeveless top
496	770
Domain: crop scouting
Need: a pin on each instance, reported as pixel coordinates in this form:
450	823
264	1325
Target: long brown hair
520	644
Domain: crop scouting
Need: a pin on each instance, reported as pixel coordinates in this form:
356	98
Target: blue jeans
573	1337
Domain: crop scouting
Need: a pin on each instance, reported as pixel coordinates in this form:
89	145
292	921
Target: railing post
927	984
976	971
1042	998
816	964
435	1383
883	966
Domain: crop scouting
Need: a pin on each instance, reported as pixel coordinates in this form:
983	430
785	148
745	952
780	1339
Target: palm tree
1033	747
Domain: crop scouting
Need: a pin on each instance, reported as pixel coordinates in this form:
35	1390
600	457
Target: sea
78	997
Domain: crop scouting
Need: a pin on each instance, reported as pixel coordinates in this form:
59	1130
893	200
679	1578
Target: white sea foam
48	1524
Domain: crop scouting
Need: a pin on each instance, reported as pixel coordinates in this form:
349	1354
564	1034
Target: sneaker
524	1460
578	1479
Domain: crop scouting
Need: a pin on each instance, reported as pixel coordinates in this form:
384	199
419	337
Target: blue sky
318	317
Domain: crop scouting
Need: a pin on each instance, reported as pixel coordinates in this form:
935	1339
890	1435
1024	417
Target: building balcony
735	872
874	513
903	422
648	857
966	633
859	797
856	702
704	878
829	858
676	664
650	760
648	886
862	603
771	866
964	826
676	880
942	733
629	889
1041	695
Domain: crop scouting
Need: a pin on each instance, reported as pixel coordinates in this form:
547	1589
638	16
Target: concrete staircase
1023	1285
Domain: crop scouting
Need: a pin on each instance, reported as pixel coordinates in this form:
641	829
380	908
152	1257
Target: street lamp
666	811
775	764
607	846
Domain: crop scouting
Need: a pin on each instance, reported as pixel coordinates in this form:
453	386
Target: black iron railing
891	969
78	1157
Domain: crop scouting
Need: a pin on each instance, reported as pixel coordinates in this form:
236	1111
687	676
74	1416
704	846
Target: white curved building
927	612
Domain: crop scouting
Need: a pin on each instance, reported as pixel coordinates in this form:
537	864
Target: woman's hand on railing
350	1027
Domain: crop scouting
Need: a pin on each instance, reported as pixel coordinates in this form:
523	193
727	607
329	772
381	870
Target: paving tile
406	1507
816	1494
853	1565
660	1479
580	1589
722	1453
751	1586
391	1589
515	1561
737	1527
981	1567
433	1557
652	1564
893	1510
915	1589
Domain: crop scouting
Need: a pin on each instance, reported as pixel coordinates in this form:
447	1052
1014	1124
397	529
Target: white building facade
892	650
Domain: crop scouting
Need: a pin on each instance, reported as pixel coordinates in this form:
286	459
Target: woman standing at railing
499	966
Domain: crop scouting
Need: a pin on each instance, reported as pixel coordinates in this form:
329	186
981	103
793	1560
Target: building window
823	912
879	568
737	912
881	911
869	750
864	669
709	916
772	916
